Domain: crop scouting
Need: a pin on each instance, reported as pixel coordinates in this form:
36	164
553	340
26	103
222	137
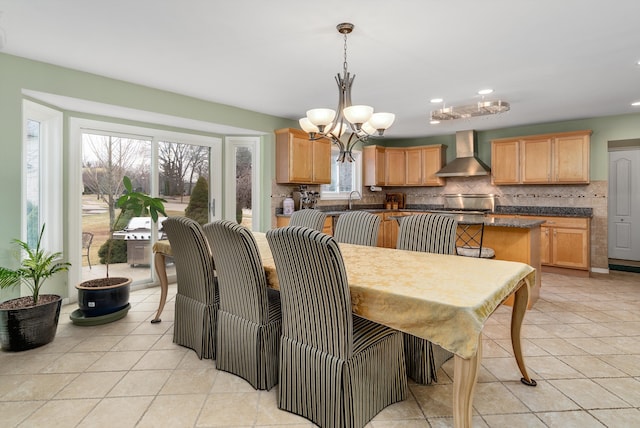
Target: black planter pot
28	328
98	301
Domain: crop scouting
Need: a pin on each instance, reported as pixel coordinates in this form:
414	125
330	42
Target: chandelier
482	108
352	123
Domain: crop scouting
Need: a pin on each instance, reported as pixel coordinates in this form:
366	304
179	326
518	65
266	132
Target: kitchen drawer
563	222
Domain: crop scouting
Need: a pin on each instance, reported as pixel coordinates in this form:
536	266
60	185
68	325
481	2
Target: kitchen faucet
351	194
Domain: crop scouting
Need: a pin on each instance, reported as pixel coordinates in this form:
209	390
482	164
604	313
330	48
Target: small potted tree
30	321
102	300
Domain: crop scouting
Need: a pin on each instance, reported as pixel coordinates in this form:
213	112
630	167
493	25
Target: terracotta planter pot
96	301
30	327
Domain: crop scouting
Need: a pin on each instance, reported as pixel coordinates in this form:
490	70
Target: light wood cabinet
373	167
403	166
505	162
413	167
571	158
561	158
535	160
395	167
300	160
433	159
565	242
282	221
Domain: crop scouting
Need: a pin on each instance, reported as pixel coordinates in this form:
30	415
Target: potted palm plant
106	299
30	321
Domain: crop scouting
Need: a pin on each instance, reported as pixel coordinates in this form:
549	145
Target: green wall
604	129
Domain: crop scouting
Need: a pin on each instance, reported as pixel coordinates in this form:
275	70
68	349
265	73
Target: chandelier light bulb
307	126
358	114
382	121
368	128
321	116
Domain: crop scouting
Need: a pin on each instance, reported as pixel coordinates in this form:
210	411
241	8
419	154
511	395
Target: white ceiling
552	60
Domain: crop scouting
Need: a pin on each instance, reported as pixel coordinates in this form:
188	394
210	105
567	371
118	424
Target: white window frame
230	144
50	203
357	174
79	125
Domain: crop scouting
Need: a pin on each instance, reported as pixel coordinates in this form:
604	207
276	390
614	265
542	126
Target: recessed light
434	122
636	104
436	100
485	91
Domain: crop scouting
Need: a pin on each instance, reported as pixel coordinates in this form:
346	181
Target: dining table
445	299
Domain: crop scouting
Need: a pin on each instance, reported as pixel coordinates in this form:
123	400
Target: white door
624	204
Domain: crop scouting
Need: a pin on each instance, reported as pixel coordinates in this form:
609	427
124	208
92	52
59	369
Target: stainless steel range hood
466	163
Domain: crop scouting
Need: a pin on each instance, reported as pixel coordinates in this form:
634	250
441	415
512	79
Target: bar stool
470	238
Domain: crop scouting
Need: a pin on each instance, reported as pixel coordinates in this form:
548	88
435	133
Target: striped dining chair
197	297
336	368
249	320
313	219
431	233
358	227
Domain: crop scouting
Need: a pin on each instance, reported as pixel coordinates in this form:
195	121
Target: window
242	183
42	171
345	177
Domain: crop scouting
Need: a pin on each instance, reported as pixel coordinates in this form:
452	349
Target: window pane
344	177
244	162
184	179
106	159
32	180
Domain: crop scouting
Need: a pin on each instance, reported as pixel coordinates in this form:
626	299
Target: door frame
616	147
74	208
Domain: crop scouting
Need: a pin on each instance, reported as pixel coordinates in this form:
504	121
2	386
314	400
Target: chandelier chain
344	64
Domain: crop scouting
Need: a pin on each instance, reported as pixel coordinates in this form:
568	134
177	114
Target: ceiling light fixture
636	104
436	100
359	121
482	108
485	91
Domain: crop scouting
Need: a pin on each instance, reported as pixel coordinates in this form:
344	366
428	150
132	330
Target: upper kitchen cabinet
373	169
433	159
505	163
300	160
403	166
561	158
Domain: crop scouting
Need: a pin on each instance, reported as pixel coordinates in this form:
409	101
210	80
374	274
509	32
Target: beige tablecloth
446	299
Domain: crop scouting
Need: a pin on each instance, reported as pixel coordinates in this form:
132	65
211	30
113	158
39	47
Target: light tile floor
581	342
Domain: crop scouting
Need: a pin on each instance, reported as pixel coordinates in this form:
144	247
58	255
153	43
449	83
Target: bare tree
106	160
181	164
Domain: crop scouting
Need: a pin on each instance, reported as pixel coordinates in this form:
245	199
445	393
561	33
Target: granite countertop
336	210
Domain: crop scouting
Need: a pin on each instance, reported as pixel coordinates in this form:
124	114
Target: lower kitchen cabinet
282	221
389	228
565	242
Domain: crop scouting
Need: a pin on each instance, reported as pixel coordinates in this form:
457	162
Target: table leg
161	270
465	376
519	308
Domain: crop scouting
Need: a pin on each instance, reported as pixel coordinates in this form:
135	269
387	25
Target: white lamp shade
307	126
370	130
382	120
340	129
321	116
358	114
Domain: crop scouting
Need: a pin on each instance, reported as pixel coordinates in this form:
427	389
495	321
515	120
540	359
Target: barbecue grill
138	237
